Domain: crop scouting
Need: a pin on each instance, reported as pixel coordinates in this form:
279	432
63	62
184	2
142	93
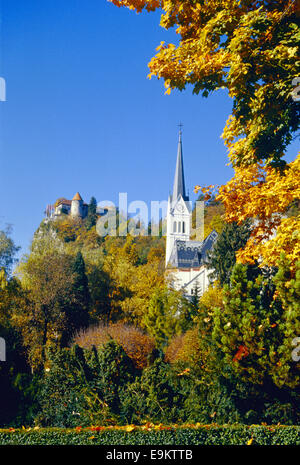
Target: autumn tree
48	281
264	195
130	283
250	48
8	250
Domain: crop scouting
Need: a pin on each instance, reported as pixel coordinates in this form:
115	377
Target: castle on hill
185	258
76	208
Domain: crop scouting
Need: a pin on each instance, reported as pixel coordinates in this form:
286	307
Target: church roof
191	254
77	196
179	184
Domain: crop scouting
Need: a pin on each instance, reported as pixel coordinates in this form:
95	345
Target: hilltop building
75	207
185	258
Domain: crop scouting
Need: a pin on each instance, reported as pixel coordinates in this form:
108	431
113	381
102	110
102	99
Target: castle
185	258
75	207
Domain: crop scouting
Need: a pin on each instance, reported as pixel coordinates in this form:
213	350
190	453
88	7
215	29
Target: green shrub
202	435
82	387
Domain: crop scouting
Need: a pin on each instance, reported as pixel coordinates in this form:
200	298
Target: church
185	258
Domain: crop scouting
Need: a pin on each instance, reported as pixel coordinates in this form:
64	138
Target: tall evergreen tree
222	257
254	332
91	219
169	313
78	312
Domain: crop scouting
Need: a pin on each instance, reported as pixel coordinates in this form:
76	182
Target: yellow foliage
131	285
264	194
186	348
211	298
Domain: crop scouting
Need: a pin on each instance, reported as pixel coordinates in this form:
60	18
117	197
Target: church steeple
179	184
179	210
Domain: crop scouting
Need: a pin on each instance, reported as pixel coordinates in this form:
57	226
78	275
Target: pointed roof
179	184
77	196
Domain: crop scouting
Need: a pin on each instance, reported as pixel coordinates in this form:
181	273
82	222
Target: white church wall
188	279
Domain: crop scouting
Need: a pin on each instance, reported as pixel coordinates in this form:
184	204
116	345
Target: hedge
155	435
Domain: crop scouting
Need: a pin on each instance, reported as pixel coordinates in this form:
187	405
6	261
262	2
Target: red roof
77	196
63	202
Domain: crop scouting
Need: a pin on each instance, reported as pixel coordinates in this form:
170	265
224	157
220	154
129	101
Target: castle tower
77	206
179	210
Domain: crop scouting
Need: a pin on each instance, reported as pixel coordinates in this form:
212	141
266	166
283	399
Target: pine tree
222	257
167	315
253	332
78	312
91	219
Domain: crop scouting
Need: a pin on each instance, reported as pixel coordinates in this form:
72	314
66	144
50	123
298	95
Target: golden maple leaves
264	194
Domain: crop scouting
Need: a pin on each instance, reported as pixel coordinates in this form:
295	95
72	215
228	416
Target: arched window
183	227
179	226
174	227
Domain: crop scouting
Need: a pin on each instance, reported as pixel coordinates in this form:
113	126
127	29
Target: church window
179	226
174	227
183	227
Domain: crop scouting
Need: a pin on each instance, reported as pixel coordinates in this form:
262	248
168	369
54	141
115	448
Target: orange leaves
136	344
208	191
241	353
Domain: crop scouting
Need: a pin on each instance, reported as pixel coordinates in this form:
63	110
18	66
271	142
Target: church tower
179	210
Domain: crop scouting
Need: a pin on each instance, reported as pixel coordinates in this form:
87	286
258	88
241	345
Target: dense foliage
94	335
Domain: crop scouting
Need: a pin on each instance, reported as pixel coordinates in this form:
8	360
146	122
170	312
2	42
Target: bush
135	342
160	435
82	387
155	396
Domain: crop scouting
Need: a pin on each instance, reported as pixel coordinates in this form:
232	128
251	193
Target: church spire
179	184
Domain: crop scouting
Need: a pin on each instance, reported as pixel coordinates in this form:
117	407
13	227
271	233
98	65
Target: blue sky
81	114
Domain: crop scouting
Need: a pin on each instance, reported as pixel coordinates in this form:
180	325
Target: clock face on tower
179	208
